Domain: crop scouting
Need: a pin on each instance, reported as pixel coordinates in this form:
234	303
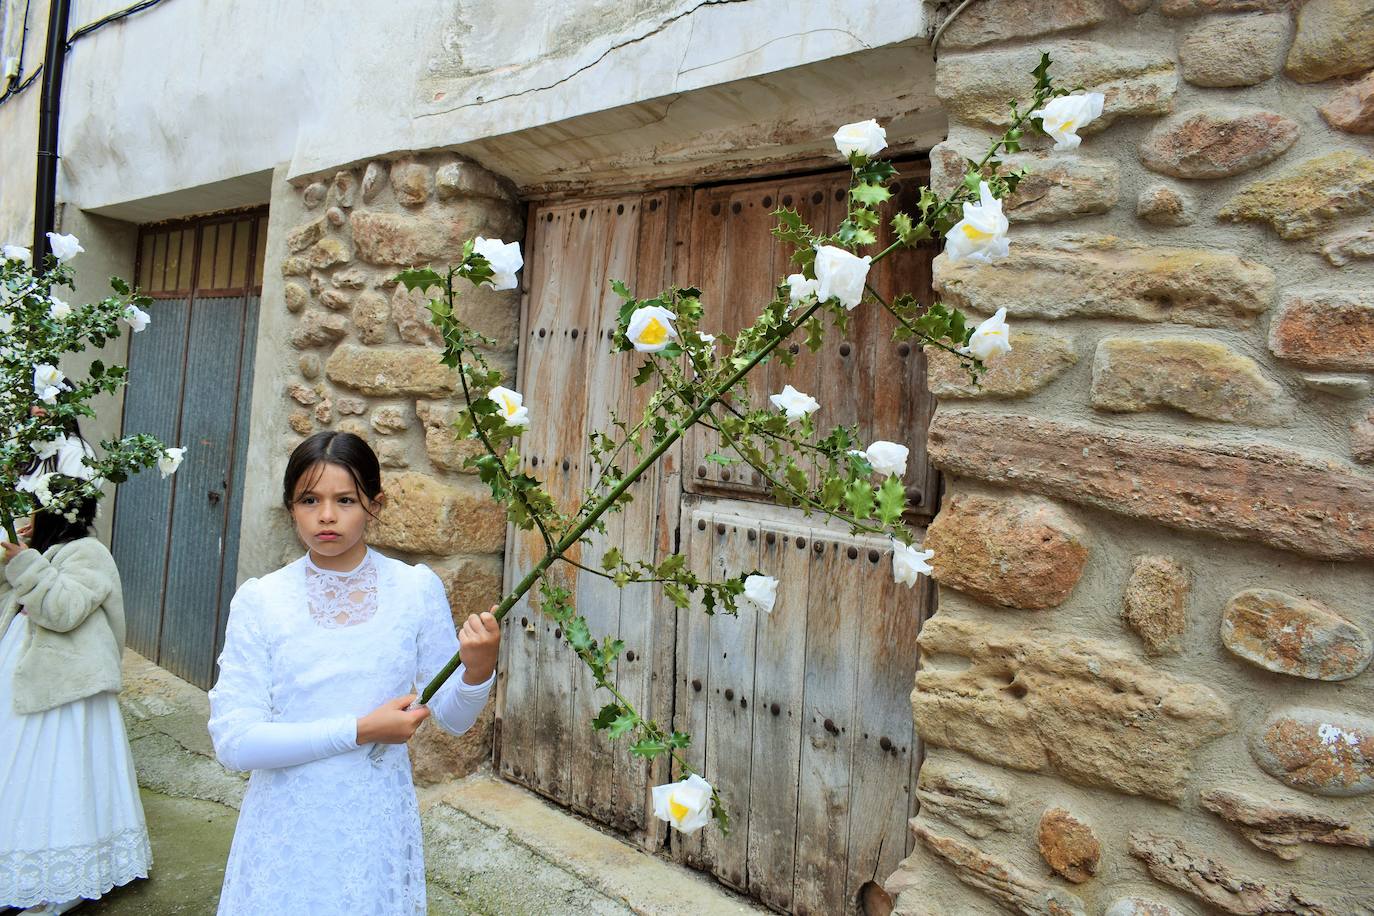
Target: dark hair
350	452
52	528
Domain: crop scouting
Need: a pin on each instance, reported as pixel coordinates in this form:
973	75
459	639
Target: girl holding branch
314	696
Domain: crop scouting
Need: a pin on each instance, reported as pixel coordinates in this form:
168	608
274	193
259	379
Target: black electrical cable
71	39
15	89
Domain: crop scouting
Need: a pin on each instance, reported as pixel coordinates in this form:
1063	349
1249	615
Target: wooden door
190	380
802	715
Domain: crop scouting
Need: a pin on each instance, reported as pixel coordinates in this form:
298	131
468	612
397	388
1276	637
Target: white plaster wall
197	92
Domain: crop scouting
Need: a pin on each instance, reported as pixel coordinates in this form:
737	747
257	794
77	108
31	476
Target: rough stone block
313	195
296	297
317	328
302	237
425	515
1259	493
1068	846
1199	7
1139	906
406	239
390	418
1350	246
976	87
327	252
1294	636
1352	108
468	179
343	190
445	450
309	364
1217	142
1192	870
336	300
1155	605
473	584
1000	880
1226	51
391	371
1055	187
1162	205
372	318
374	180
1022	553
1035	360
410	182
1321	751
1325	329
1106	277
963	797
1309	198
1078	708
437	756
1334	38
1198	377
1362	439
1283	828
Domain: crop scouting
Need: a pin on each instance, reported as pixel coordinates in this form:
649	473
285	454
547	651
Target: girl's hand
25	530
391	723
12	550
481	640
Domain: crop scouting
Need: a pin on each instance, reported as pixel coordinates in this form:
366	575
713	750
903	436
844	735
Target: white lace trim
31	877
341	599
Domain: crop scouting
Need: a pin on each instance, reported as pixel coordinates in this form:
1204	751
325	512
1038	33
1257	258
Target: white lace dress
328	827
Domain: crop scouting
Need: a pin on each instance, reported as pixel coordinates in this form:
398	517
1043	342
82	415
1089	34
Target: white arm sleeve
241	726
457	704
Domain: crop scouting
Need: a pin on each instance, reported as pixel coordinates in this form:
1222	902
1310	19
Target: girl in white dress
71	823
319	667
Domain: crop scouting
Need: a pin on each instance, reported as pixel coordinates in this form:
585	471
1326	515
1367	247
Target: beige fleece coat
72	595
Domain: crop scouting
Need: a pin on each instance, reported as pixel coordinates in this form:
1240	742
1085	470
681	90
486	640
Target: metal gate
190	382
802	715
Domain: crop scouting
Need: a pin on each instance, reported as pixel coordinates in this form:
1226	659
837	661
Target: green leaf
578	635
609	713
621	290
419	278
891	500
648	748
622	725
870	195
858	496
611	559
645	372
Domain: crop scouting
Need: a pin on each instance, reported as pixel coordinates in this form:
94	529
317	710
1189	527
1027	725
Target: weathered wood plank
827	731
694	665
780	655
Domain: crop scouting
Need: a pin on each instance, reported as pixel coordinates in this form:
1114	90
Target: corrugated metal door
190	377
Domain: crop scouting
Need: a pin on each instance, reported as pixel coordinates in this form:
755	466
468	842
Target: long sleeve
457	704
61	597
241	726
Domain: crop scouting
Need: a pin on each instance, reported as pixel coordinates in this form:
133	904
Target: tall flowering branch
42	467
701	379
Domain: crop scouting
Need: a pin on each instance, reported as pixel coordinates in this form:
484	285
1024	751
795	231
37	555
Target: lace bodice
341	599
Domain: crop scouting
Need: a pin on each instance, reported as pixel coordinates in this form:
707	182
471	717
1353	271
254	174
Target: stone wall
349	349
1146	689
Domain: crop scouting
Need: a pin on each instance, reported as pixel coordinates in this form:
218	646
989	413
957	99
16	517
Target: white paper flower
59	310
990	338
504	258
887	457
841	275
70	452
908	563
863	137
512	406
796	404
169	461
686	805
136	318
1064	116
18	253
651	328
708	339
46	380
800	287
64	247
761	592
45	450
982	234
39	485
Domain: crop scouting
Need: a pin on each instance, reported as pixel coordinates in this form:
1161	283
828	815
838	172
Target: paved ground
491	848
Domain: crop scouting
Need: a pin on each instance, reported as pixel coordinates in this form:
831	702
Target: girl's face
331	515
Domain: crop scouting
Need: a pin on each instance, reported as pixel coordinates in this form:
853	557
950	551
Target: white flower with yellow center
866	138
651	328
761	592
982	234
908	563
511	406
1064	116
686	805
990	338
794	403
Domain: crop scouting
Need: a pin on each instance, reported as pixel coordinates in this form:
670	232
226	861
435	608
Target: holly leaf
622	725
611	559
870	195
419	278
891	500
648	748
858	496
609	713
